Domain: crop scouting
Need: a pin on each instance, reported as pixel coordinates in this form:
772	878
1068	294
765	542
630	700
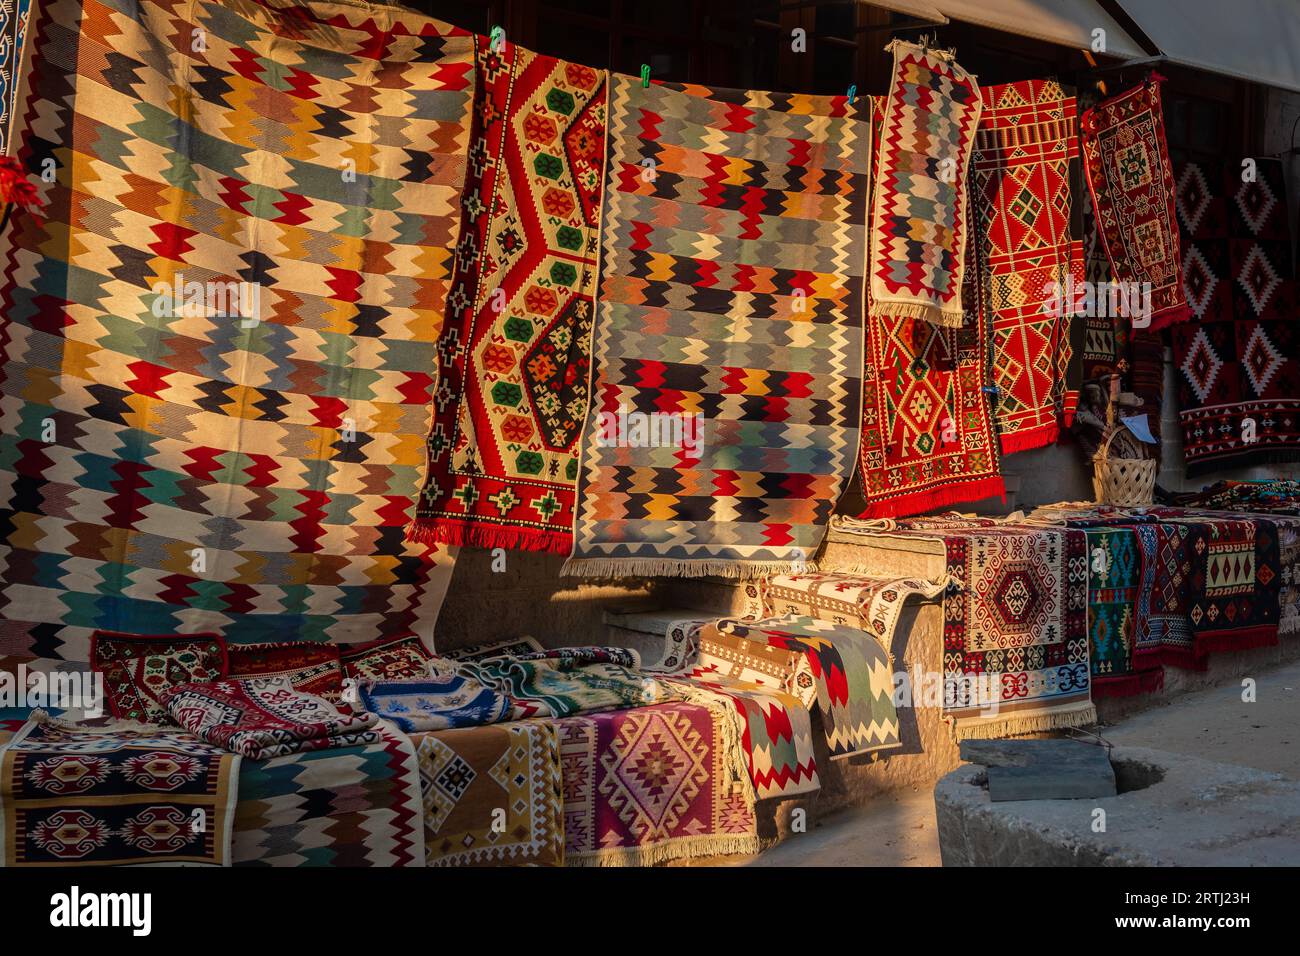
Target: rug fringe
473	534
722	844
926	311
1030	438
986	728
922	501
615	568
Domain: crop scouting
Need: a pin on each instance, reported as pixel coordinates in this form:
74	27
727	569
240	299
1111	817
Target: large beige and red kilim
515	354
919	211
1024	256
218	339
733	245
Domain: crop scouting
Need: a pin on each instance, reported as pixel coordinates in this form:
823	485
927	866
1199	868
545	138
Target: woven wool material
470	776
352	806
730	305
139	668
1238	363
83	797
439	702
920	205
557	687
209	468
842	671
1119	593
311	668
14	17
515	357
387	658
1024	257
263	717
1126	162
872	604
653	784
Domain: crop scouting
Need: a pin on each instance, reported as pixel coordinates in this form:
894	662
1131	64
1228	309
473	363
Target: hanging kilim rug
14	15
1237	365
218	344
920	202
651	785
515	352
845	673
1131	181
73	796
728	356
472	775
1116	571
1015	640
1024	258
351	806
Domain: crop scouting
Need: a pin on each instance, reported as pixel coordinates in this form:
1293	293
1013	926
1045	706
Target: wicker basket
1127	482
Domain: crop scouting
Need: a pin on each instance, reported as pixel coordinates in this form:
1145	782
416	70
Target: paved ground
1214	724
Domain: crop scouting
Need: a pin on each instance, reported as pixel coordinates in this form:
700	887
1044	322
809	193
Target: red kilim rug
515	354
1131	181
1020	197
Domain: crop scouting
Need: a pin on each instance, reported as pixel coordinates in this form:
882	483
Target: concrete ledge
1172	810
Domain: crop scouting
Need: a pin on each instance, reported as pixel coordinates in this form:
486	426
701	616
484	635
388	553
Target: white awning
1067	22
1257	40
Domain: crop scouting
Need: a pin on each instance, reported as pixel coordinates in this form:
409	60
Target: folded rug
507	648
556	687
434	703
514	358
775	730
728	353
872	604
264	717
1238	365
653	784
1023	256
350	806
846	673
1132	185
72	796
310	667
471	776
919	209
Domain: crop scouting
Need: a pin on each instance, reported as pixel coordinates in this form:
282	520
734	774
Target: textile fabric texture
311	668
845	673
1126	162
469	776
558	687
850	600
1025	259
1119	592
511	647
514	357
728	349
348	807
262	717
434	703
920	206
388	658
651	785
139	668
1237	369
104	797
14	16
218	344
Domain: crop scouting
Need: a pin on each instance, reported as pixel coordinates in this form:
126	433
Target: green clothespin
498	39
645	76
853	93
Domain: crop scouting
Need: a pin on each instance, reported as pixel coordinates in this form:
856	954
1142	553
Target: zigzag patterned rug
350	806
919	211
218	345
515	353
731	312
1020	199
14	16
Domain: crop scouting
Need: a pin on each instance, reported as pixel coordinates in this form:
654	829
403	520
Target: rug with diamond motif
920	204
728	353
1024	256
1126	164
218	340
1119	578
652	785
72	796
492	795
1237	369
515	352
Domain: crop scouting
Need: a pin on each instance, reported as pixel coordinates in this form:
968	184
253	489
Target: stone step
1042	769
